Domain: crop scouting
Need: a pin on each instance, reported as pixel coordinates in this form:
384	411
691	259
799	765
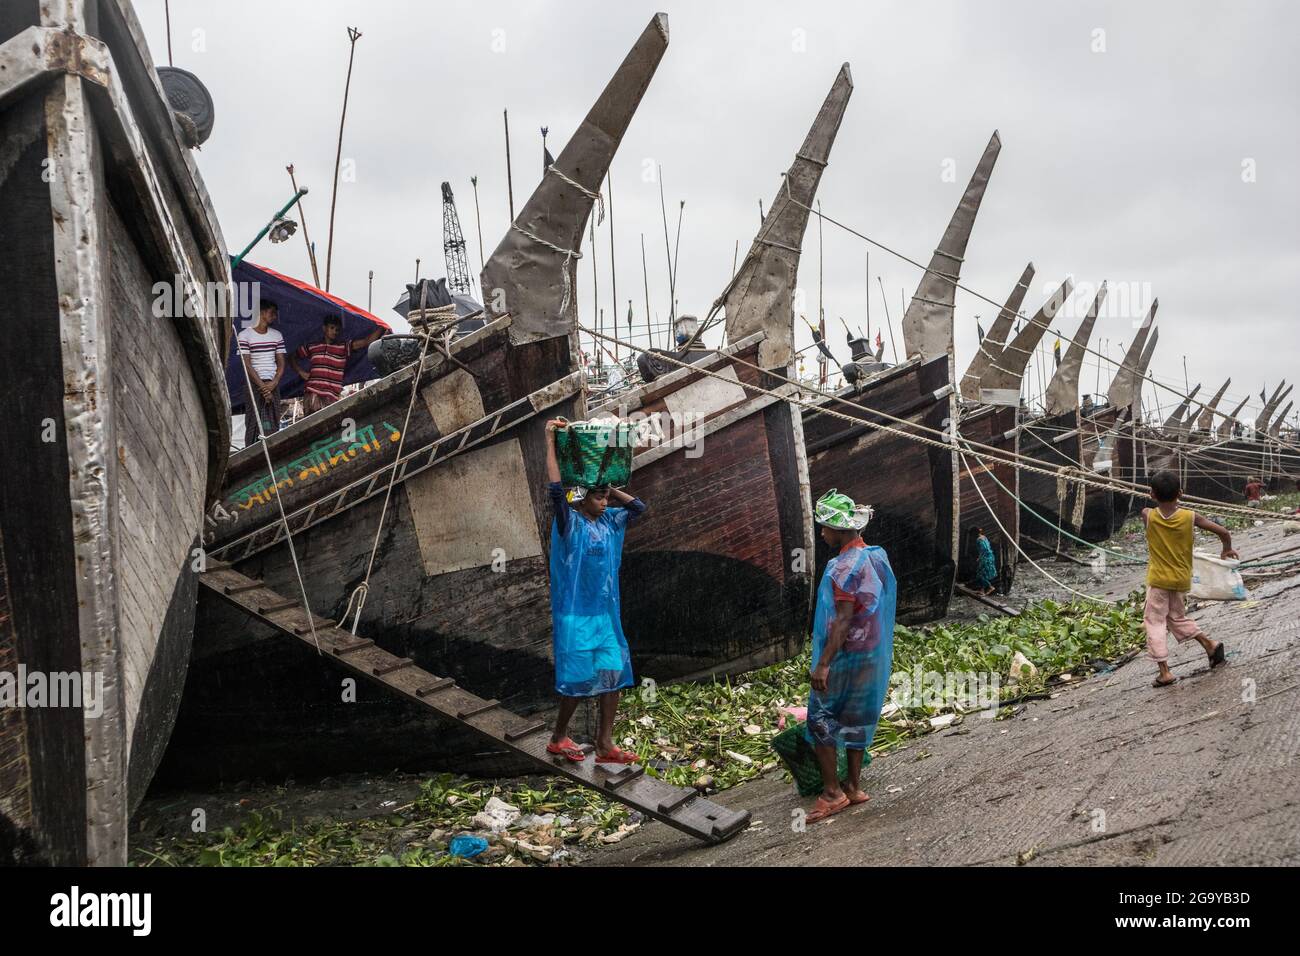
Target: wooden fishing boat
1110	441
452	563
1055	441
116	430
720	580
990	487
911	486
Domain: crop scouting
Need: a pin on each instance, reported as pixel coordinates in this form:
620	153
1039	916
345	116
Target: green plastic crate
594	453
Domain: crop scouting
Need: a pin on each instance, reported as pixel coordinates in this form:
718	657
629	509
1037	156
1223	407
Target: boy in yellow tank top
1169	574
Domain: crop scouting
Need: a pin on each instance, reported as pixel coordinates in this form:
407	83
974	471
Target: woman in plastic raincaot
852	653
591	655
986	565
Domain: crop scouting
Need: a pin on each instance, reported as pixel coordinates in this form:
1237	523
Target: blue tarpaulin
303	307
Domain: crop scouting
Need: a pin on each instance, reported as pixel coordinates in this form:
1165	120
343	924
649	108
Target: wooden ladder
682	809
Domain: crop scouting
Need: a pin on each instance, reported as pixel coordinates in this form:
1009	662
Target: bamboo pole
613	275
510	182
478	224
889	320
645	278
353	36
668	254
302	220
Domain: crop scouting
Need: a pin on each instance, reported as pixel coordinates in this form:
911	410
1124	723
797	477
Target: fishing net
594	453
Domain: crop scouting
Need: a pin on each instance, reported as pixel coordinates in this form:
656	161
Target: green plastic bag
801	760
594	453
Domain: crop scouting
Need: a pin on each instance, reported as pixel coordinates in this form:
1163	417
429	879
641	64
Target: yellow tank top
1169	546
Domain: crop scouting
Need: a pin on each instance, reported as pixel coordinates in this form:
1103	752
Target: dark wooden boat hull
995	426
1045	502
117	425
911	486
707	583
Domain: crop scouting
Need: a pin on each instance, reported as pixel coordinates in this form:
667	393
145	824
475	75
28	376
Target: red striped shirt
328	363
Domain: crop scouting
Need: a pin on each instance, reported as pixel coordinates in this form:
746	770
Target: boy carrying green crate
591	653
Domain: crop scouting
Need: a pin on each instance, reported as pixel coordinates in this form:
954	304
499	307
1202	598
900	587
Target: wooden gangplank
682	809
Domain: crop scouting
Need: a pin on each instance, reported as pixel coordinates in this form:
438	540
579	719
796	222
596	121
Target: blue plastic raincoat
591	655
846	713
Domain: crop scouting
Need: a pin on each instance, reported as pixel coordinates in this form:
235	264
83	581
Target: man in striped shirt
327	361
262	350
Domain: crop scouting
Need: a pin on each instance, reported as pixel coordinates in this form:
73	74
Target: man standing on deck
327	361
852	653
262	350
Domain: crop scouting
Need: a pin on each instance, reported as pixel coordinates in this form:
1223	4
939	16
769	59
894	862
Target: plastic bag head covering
838	511
591	654
847	712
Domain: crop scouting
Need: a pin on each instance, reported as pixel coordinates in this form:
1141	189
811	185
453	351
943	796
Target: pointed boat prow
758	299
532	274
927	324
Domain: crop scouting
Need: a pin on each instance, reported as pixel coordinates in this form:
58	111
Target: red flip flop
566	748
862	797
618	756
823	808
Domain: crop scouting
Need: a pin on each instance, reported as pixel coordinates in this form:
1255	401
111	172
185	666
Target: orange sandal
566	748
862	797
823	808
618	756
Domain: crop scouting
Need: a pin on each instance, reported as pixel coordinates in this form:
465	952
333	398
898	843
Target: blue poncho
591	655
846	713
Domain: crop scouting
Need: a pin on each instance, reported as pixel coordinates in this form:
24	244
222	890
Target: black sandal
1164	683
1218	657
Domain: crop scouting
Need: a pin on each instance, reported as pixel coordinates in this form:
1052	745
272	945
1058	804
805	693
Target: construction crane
453	246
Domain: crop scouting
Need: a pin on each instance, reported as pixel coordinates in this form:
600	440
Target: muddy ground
1109	771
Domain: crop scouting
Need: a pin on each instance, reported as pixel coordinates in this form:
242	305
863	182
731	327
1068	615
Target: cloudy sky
1151	144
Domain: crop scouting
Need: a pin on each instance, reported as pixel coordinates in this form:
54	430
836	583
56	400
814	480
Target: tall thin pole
645	278
821	262
510	182
370	297
595	293
868	332
889	320
613	279
676	252
668	253
735	258
353	36
1187	385
478	223
167	9
302	218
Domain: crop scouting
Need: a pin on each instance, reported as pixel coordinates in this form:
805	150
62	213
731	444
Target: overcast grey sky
1152	144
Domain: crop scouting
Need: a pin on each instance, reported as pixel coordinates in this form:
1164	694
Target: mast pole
668	253
645	278
353	36
478	224
510	183
302	218
889	320
613	277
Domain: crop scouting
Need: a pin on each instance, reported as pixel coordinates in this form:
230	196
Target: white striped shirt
263	347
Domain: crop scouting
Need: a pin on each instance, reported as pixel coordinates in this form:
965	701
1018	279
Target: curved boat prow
927	324
533	272
996	340
1000	385
758	298
1063	389
1124	388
